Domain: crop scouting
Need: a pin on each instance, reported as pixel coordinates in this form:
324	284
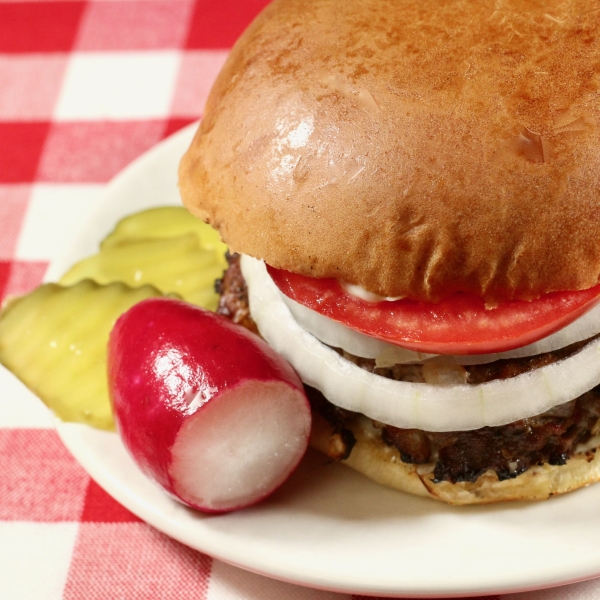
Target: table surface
86	87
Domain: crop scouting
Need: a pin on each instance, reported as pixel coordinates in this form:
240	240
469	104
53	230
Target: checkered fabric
85	87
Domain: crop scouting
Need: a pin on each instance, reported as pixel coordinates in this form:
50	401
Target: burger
412	193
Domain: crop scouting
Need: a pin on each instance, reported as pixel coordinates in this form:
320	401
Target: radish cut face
240	447
206	409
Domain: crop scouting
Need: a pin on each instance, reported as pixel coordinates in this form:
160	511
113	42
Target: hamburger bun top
414	147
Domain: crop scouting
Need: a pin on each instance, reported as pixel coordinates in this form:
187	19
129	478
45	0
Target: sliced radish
205	408
336	334
414	405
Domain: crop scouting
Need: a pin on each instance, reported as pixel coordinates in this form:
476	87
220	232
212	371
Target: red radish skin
207	409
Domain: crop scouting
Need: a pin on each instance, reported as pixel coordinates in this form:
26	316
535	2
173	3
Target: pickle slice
164	222
177	265
54	340
166	247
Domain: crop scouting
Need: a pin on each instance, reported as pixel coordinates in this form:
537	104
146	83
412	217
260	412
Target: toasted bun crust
376	460
416	148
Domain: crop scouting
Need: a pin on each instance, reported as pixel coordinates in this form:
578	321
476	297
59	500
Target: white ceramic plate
329	527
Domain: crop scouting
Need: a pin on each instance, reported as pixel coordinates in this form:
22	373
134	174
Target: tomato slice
459	324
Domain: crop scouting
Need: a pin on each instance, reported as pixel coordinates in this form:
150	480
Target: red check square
40	479
24	276
20	149
13	204
197	73
133	25
99	507
93	152
39	26
30	85
174	125
4	275
219	24
133	560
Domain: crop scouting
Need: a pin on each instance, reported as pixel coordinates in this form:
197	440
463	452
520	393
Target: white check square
20	407
118	86
55	214
35	559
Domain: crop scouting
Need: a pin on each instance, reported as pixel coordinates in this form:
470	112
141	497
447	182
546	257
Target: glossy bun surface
416	148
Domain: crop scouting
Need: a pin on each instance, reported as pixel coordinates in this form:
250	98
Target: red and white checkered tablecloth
85	87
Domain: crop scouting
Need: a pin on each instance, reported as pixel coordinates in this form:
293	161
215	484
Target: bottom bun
381	463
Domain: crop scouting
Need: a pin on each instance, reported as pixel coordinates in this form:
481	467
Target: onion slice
413	405
336	334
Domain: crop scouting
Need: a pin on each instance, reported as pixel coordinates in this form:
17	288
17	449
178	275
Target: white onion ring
413	405
338	335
